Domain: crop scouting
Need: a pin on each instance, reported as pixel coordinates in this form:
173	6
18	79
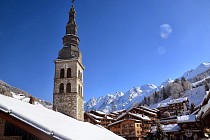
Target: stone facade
68	78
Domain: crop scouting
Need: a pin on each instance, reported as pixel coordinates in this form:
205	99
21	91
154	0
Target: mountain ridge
136	94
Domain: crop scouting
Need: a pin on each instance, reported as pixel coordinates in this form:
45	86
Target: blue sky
119	39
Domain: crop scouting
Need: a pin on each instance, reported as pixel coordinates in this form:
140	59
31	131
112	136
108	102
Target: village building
23	121
145	111
175	107
190	127
171	131
98	117
204	114
68	79
131	126
101	118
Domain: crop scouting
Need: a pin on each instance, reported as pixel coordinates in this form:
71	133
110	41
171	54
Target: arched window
61	88
79	89
68	87
62	73
69	73
79	74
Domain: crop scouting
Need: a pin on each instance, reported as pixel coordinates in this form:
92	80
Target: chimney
32	100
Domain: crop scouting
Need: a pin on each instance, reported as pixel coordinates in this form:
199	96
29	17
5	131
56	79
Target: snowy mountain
203	67
120	100
136	95
22	95
194	95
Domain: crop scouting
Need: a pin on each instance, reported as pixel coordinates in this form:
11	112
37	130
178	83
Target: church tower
68	78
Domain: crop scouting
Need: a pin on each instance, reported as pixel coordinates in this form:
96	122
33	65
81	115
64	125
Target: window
68	87
79	89
78	73
81	76
62	73
61	88
69	73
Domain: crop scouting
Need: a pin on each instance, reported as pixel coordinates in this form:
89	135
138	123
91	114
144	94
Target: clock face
188	133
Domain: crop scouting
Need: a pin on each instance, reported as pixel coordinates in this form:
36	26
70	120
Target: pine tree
185	84
192	107
206	86
159	135
145	100
148	100
164	93
155	97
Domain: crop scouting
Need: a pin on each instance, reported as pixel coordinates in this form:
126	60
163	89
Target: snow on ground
23	98
51	122
200	82
194	95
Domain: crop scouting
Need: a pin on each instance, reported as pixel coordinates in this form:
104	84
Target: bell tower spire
70	39
71	27
68	78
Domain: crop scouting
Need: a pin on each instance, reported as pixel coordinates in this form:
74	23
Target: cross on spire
72	1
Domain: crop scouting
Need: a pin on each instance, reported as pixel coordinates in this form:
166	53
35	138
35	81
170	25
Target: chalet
204	114
190	128
131	126
145	111
98	117
168	119
115	114
171	131
175	107
23	121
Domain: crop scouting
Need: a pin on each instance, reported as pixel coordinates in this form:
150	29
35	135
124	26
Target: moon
165	31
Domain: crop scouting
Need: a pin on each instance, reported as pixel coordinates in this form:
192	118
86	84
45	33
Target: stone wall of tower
71	103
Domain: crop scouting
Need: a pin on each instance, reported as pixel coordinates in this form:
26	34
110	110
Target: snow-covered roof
178	100
116	122
205	109
95	116
151	110
186	118
139	116
166	128
173	101
51	122
162	105
108	117
142	110
100	112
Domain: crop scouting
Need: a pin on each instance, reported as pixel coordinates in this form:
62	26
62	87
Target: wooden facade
175	107
131	126
190	130
97	117
140	110
16	129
